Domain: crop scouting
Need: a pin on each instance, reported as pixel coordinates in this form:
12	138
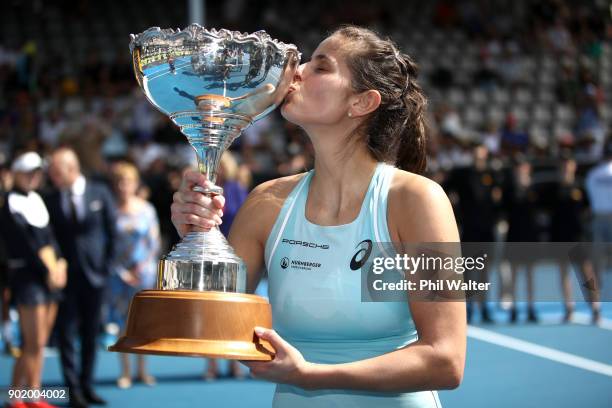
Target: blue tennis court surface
523	365
548	364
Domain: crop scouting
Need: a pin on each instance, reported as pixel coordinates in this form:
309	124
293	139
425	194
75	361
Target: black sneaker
596	318
531	315
93	398
486	316
77	399
569	314
513	314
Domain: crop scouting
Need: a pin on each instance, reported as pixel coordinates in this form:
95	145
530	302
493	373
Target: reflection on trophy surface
212	84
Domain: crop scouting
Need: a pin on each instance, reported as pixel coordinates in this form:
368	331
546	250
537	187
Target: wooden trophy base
199	324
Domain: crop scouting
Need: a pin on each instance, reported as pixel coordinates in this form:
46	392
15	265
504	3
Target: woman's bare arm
421	211
252	224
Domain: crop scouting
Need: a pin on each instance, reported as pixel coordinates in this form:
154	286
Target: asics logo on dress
362	255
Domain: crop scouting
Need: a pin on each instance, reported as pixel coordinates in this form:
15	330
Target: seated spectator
568	87
590	135
511	68
559	38
513	140
491	138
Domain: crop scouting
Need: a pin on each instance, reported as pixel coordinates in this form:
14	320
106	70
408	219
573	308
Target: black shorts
32	294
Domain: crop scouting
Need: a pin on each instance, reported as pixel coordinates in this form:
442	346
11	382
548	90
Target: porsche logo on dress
305	243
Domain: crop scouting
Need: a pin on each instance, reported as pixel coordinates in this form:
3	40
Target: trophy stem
208	163
210	131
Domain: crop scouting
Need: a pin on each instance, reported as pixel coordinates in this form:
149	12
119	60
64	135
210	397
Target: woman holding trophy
359	102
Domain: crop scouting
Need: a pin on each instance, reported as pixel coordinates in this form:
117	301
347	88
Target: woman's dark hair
395	132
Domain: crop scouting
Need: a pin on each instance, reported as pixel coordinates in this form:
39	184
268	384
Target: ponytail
395	132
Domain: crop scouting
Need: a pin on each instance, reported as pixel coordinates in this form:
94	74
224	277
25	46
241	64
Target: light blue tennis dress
315	293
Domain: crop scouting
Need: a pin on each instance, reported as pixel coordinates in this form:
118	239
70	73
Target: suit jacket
90	245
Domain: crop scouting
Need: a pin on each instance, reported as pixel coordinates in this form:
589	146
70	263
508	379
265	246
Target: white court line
581	318
539	351
168	71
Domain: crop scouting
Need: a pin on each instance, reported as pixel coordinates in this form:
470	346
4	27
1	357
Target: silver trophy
212	84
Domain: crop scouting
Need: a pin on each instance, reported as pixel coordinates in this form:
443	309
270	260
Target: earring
350	115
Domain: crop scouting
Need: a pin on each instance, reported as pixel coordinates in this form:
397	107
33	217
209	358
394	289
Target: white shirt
76	193
31	207
599	188
50	132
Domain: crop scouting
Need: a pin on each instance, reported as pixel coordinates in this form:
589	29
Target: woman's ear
364	103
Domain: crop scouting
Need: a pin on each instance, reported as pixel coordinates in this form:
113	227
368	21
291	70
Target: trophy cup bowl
212	84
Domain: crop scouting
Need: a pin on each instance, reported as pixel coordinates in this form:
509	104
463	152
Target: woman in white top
36	271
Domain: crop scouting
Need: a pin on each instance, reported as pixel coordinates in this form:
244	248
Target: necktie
73	210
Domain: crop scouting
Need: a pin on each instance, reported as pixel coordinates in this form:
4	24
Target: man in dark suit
83	215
